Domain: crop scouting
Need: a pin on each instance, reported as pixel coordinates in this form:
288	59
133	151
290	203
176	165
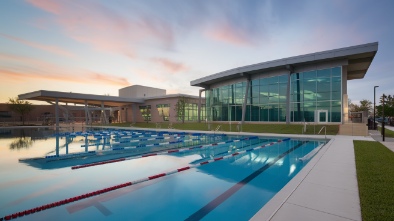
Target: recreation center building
306	88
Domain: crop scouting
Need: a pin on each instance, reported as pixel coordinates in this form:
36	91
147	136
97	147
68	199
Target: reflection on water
21	142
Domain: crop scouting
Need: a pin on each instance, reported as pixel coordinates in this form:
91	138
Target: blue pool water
35	168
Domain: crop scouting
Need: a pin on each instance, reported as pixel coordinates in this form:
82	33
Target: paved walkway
388	141
389	127
326	189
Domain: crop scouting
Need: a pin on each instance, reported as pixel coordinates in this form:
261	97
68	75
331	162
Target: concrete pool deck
326	188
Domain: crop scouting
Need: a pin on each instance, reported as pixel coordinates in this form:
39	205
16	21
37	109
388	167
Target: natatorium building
306	88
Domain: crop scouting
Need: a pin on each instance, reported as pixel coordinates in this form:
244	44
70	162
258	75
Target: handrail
217	128
325	132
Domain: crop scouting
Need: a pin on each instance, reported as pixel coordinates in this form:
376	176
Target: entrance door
322	116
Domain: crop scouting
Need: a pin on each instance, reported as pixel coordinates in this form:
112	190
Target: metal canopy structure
88	100
77	98
358	59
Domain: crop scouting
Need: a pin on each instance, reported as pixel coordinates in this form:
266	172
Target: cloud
48	48
34	69
105	28
47	5
130	27
228	34
170	65
107	79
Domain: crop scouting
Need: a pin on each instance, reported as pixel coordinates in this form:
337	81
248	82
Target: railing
217	128
325	132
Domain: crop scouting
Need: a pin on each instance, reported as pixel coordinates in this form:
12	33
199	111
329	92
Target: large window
164	111
316	90
225	103
267	99
145	112
191	112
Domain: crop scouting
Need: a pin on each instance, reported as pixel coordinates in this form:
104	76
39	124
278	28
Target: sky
98	47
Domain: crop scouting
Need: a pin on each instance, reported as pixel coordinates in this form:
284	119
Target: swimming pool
210	177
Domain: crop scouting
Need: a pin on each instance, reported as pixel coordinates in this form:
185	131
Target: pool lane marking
117	148
112	188
161	153
228	193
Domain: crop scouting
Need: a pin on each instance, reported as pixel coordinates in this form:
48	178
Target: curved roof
359	59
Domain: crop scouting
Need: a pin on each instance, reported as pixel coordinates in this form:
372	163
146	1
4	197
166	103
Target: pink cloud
170	65
47	5
104	29
34	69
48	48
228	34
108	79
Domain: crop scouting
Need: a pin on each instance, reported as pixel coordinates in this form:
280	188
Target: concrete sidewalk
388	141
388	127
326	189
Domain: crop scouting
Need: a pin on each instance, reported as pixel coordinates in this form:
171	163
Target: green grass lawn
375	175
387	133
226	127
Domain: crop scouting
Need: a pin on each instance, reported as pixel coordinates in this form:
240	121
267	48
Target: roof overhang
359	59
171	96
77	98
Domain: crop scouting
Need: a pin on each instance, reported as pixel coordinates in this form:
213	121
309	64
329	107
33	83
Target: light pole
374	98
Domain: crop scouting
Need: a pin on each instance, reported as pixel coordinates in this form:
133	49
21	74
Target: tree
21	107
180	108
365	105
388	106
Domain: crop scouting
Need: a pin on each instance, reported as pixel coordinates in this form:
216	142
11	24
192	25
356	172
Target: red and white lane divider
160	153
105	190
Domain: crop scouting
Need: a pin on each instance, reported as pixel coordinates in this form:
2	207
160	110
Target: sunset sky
97	47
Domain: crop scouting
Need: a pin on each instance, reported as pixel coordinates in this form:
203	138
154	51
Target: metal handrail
325	132
217	128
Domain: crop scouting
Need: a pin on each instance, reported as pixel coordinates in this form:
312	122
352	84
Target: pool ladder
325	132
218	127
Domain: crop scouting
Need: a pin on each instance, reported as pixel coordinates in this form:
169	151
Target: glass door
322	116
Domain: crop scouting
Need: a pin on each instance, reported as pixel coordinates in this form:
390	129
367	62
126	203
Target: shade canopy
77	98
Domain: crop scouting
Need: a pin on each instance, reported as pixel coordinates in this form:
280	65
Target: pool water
233	188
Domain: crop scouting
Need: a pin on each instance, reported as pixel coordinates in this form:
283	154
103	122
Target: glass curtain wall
267	99
225	103
316	90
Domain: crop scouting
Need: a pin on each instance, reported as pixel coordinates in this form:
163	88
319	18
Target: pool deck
326	189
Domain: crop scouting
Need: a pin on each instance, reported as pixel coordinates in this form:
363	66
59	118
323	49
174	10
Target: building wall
138	91
134	113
